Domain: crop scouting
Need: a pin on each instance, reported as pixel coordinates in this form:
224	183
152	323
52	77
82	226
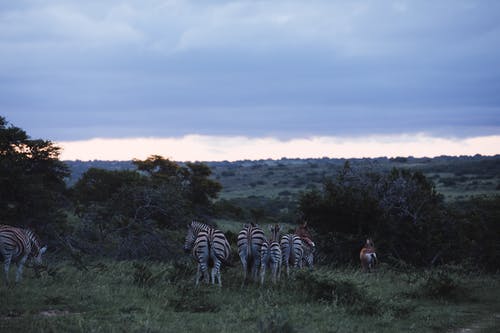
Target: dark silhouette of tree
31	180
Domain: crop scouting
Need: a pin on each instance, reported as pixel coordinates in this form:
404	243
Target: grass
156	297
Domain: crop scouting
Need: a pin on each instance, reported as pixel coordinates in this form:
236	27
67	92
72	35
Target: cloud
231	148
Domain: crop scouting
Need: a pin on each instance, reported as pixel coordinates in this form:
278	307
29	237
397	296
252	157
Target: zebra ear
43	249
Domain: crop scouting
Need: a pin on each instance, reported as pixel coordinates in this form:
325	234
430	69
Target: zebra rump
210	249
292	252
250	240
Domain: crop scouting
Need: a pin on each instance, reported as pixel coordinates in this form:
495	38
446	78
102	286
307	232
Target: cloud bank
219	148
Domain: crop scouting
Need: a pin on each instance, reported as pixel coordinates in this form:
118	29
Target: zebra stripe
308	248
271	255
292	252
210	248
250	240
308	245
18	245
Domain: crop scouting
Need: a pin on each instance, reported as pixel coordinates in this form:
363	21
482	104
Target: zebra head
37	250
37	258
190	238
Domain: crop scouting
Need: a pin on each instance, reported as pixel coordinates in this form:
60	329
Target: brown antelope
368	256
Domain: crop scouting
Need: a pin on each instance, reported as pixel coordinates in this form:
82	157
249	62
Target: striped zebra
308	246
291	250
271	255
18	245
367	256
250	240
210	249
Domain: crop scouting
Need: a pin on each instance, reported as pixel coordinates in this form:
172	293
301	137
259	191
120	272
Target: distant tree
31	180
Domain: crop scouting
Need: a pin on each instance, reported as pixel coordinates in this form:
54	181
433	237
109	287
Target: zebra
18	245
367	256
292	252
308	246
250	240
209	247
271	255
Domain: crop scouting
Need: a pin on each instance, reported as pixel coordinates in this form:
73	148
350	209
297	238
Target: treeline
141	212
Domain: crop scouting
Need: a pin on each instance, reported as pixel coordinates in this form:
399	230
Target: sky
227	80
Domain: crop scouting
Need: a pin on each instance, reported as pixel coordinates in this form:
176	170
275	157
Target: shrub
320	286
438	284
275	322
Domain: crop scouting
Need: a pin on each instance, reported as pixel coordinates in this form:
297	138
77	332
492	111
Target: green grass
157	297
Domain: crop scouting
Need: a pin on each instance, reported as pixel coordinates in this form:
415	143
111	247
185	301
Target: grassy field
160	297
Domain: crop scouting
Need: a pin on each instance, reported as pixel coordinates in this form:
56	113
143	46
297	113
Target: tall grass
137	296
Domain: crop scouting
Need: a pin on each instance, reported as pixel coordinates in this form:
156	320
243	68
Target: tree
123	207
31	180
401	210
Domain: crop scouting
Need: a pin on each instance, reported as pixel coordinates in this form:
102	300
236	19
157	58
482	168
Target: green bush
322	286
275	322
437	285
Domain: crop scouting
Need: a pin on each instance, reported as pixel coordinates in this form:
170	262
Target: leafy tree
120	207
401	210
31	180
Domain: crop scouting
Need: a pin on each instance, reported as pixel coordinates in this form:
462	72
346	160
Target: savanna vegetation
115	233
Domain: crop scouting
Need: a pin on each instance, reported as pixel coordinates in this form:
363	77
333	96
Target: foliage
437	284
276	322
478	227
31	181
324	286
401	210
123	207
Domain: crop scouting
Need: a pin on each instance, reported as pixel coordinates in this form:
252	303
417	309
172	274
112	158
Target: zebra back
291	248
250	240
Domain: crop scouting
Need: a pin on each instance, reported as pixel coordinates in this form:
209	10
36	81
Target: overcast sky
284	70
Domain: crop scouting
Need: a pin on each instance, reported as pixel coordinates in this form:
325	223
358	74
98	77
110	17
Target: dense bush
401	210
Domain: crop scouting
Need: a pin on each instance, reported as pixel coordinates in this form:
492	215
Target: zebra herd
210	248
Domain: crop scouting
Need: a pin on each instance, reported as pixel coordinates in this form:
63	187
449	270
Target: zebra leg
274	271
20	266
198	275
205	274
216	273
8	258
262	273
244	263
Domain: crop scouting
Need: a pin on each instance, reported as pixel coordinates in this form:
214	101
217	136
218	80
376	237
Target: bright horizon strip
233	148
